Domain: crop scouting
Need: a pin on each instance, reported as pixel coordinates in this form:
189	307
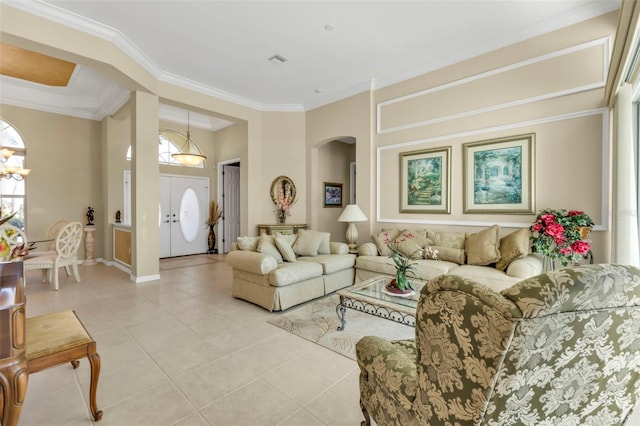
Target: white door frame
220	235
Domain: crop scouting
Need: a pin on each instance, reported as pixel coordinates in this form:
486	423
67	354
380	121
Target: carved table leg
341	312
13	389
94	361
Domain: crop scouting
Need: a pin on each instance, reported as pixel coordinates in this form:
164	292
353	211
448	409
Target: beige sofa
483	257
281	271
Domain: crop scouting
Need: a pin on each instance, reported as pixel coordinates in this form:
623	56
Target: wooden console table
283	228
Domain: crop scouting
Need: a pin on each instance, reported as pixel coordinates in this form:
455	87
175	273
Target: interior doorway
229	190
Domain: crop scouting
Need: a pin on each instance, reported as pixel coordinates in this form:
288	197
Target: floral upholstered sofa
483	256
561	348
281	271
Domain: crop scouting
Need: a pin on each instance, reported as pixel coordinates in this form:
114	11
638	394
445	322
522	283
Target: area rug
317	321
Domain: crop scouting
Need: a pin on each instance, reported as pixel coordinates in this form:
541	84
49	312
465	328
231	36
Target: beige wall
64	156
351	117
283	153
551	86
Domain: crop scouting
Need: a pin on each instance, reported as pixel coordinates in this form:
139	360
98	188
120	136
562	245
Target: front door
183	217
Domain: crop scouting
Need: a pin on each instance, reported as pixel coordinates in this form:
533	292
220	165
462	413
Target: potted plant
283	203
560	234
400	284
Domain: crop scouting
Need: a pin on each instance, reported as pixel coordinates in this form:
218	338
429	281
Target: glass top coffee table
371	297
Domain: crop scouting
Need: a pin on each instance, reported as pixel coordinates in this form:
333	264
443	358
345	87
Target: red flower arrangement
559	234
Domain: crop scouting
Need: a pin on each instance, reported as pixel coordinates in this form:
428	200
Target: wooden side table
283	228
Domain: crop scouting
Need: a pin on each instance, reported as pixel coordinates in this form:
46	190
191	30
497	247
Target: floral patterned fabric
561	348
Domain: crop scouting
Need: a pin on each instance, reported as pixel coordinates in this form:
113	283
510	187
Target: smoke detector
278	59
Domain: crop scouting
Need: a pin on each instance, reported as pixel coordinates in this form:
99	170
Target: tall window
169	142
12	191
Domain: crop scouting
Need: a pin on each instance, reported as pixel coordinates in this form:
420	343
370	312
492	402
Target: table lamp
352	214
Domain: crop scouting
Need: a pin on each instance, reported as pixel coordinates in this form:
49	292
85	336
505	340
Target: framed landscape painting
498	175
332	194
425	178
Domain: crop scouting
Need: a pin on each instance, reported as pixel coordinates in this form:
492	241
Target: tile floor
183	351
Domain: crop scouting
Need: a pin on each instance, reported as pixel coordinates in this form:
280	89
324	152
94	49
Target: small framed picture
498	175
332	194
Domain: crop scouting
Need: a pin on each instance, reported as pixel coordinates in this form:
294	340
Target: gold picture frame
425	181
498	175
286	185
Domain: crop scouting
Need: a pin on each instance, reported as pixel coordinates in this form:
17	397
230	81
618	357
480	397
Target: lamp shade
352	213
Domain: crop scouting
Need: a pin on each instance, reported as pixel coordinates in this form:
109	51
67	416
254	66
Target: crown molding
88	26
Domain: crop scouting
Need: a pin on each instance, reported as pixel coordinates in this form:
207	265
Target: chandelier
186	157
10	171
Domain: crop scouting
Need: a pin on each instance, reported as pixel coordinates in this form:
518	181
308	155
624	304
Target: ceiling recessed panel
35	67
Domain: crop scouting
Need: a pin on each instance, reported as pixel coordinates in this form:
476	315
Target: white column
625	222
145	192
89	242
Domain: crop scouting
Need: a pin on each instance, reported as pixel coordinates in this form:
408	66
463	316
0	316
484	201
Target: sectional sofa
484	256
281	271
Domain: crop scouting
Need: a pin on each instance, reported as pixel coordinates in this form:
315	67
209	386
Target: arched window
170	142
12	191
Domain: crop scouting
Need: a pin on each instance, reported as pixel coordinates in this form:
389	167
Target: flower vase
212	241
282	218
584	232
548	264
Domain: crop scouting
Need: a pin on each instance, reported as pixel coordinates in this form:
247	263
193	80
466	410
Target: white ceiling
223	47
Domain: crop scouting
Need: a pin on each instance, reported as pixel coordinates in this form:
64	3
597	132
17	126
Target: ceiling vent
278	59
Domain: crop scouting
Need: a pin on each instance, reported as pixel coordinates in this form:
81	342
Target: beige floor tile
302	418
305	377
213	381
157	342
115	357
237	338
194	419
43	382
272	353
339	405
61	407
163	405
124	383
256	404
187	358
107	339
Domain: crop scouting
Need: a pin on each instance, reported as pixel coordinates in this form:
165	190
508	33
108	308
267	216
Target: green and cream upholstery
560	348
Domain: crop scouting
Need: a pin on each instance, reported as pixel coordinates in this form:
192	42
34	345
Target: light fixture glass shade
352	213
186	157
189	159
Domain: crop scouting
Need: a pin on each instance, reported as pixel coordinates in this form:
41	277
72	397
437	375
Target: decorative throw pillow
513	246
483	248
284	247
383	238
411	244
248	243
309	242
449	254
325	242
267	245
448	239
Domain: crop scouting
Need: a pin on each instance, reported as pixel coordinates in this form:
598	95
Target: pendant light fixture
186	157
